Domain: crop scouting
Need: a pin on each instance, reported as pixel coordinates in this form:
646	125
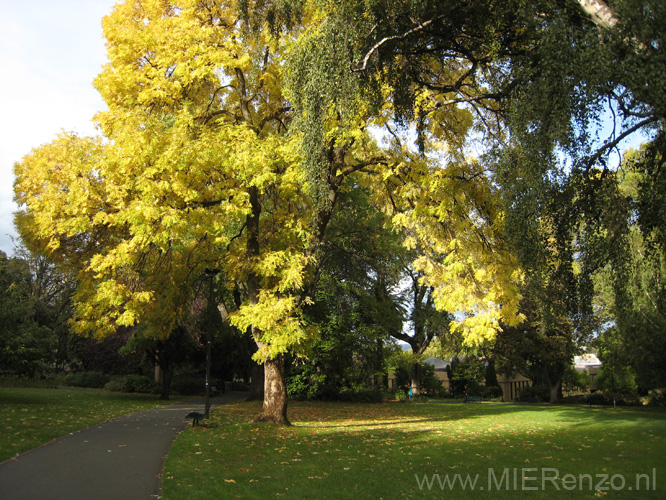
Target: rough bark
275	393
599	13
554	382
554	391
275	390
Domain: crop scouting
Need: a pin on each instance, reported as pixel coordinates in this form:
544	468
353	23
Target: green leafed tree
19	342
630	286
35	311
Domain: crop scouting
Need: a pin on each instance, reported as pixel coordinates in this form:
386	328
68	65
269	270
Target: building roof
586	361
438	364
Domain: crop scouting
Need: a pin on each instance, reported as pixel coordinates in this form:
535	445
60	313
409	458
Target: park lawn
30	417
393	450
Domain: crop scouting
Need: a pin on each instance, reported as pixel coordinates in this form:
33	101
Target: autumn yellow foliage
196	153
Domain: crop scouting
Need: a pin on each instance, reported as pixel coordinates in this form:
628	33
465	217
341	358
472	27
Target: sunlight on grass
387	450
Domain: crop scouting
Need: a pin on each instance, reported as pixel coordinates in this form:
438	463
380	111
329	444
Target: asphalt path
121	459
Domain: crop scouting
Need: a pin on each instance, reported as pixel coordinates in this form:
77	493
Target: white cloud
50	52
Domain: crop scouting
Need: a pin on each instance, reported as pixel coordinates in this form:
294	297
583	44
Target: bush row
98	380
15	381
361	394
93	380
184	385
607	398
133	383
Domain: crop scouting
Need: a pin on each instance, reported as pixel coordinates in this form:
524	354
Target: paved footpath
121	459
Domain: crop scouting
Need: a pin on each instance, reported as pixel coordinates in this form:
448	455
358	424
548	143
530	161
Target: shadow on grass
341	415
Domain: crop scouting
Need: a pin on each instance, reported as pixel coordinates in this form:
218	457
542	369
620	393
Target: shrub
14	381
534	393
401	396
188	385
492	392
95	380
620	379
115	385
430	384
607	398
238	386
140	383
575	380
133	383
657	397
574	400
361	394
597	398
306	385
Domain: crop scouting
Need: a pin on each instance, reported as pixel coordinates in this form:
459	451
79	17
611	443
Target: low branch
620	138
240	233
350	169
599	13
274	117
375	47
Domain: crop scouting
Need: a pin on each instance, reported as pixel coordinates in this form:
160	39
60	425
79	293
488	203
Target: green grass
355	451
30	417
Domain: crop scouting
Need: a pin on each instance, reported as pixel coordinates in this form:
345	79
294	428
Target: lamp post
210	274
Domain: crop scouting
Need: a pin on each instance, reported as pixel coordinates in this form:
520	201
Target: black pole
209	334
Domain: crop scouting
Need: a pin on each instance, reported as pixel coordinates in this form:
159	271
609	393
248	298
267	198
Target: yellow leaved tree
195	170
201	166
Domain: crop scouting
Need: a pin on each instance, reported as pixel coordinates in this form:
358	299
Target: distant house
440	367
589	363
511	386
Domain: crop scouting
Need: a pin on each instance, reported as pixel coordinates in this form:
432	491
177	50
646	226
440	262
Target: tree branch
375	47
620	138
599	13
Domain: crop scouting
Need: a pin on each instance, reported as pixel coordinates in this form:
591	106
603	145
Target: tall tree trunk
380	372
257	384
554	391
553	381
275	390
275	393
166	374
165	391
416	378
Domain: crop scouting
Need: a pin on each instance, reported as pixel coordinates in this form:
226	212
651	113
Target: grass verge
393	450
30	417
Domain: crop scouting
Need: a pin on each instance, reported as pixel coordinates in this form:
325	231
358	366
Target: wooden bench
473	399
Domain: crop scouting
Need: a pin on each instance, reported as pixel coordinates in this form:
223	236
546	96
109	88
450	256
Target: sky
50	53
